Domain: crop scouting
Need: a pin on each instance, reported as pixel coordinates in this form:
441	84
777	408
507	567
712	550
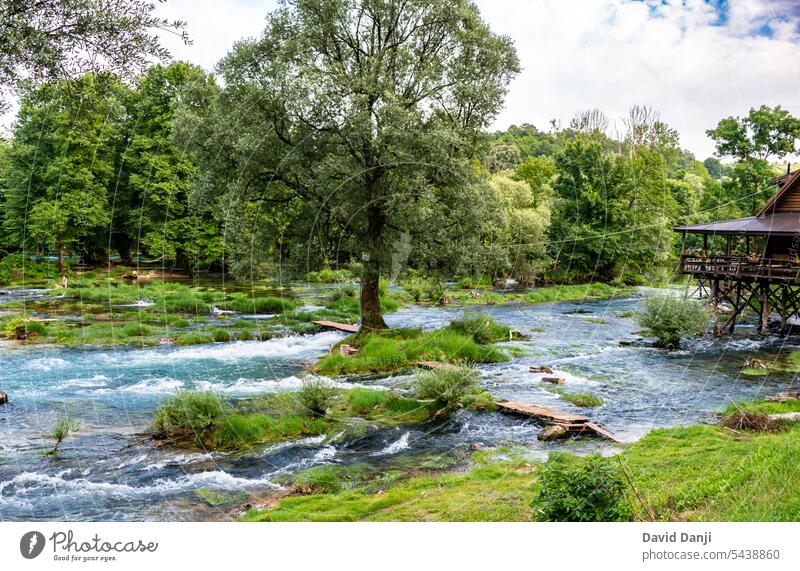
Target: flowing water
110	471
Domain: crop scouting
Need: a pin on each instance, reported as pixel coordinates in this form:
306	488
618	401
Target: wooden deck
733	267
574	423
338	326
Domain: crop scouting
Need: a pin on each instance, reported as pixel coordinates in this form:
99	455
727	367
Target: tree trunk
60	251
123	245
371	313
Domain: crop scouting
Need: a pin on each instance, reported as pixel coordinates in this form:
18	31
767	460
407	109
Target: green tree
49	41
538	172
151	194
61	163
502	157
363	114
765	134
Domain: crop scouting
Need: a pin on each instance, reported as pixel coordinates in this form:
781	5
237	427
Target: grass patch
578	398
402	348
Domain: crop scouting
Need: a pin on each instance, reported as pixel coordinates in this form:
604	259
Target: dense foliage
581	489
669	318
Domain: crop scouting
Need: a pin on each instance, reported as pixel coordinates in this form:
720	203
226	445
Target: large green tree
359	114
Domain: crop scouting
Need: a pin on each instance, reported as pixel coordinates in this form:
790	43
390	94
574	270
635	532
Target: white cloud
678	56
582	54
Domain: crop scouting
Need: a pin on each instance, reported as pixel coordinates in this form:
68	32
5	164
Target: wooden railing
740	266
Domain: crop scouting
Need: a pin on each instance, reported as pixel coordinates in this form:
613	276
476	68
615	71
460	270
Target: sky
694	61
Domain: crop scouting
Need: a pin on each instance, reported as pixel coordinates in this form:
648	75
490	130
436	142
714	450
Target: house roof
781	224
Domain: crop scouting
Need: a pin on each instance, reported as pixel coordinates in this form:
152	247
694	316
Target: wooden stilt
784	316
764	306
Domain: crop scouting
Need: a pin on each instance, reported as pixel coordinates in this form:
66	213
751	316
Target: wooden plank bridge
347	328
573	423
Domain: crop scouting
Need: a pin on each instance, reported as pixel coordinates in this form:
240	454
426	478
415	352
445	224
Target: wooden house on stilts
751	262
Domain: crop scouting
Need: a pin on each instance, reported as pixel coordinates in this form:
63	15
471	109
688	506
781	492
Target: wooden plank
338	326
603	432
437	365
542	412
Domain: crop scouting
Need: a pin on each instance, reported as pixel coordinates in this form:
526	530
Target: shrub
135	330
481	327
669	318
315	396
21	328
64	427
345	291
189	413
9	267
581	489
220	334
448	387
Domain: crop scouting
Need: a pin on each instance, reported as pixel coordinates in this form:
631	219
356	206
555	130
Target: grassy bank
698	473
204	420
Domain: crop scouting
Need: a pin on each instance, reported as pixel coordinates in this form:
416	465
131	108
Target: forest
170	170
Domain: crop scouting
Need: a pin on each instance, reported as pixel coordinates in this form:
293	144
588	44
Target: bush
448	387
315	396
481	327
669	318
135	330
189	413
64	427
345	291
9	267
581	489
269	304
21	328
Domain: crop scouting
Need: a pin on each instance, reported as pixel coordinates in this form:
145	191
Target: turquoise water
110	471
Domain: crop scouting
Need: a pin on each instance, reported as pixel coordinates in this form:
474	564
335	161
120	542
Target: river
110	471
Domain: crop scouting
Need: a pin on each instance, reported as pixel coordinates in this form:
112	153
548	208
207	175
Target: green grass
501	492
706	473
240	431
401	348
203	419
573	293
578	398
698	473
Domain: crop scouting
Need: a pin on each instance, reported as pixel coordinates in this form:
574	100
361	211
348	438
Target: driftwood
541	369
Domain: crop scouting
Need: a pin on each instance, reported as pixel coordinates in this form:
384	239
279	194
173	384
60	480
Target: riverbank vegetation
203	419
464	341
698	473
